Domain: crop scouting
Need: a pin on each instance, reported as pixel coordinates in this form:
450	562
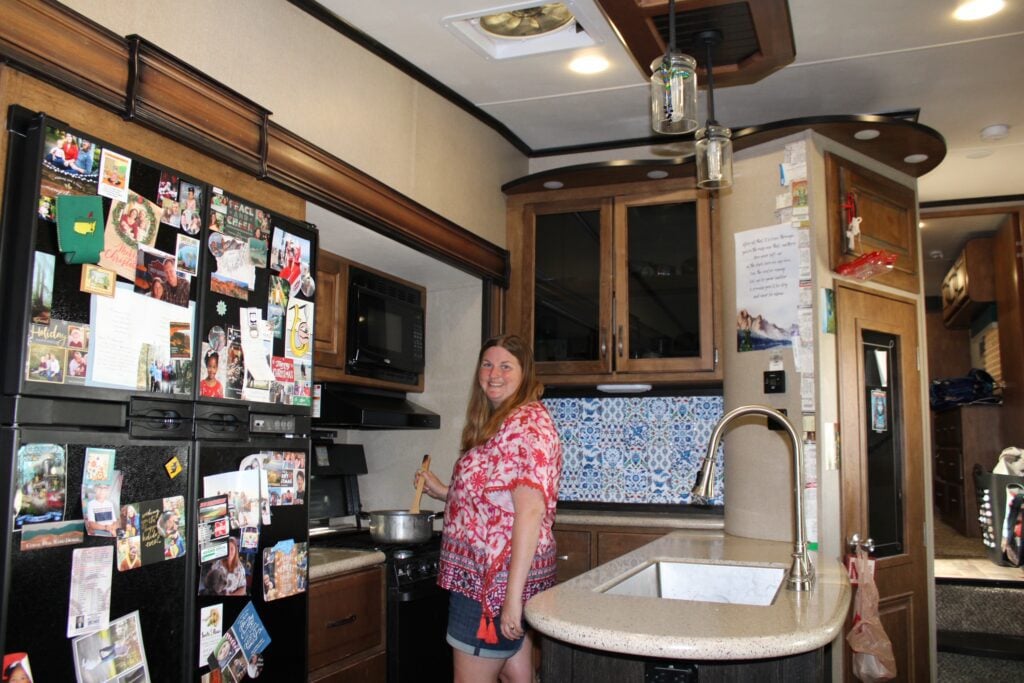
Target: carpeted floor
950	544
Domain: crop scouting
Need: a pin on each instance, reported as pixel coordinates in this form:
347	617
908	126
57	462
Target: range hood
345	407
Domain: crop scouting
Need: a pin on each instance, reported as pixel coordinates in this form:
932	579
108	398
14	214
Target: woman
231	570
497	548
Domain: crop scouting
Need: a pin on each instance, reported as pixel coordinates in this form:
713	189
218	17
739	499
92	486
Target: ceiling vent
523	29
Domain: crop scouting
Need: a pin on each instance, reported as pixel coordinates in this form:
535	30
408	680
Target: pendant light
714	142
673	86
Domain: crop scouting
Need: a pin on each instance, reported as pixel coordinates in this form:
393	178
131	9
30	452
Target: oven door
417	624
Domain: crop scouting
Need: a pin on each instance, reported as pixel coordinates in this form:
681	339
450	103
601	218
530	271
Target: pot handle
363	514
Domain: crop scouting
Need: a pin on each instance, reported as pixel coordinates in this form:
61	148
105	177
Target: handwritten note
767	287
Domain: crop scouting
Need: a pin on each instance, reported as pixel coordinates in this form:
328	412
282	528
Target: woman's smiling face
500	375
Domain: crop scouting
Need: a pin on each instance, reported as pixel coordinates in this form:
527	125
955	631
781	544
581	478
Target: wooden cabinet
969	286
963	437
347	627
567	663
583	547
330	351
889	219
573	553
616	284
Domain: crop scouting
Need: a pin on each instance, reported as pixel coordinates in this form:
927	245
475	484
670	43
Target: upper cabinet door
569	246
888	213
663	284
615	285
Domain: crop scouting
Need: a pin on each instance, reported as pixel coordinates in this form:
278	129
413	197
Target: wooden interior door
883	462
1009	279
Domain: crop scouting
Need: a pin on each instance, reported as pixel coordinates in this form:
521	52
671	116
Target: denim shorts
463	622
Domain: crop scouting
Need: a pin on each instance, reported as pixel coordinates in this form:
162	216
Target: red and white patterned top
476	543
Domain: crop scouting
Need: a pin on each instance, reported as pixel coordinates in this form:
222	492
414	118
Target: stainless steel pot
400	526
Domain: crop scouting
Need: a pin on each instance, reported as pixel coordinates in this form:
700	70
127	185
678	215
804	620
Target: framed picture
97	280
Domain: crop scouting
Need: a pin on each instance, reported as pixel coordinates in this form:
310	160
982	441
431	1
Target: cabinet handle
341	622
604	343
562	558
619	341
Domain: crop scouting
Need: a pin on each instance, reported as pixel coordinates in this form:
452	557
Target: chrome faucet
801	574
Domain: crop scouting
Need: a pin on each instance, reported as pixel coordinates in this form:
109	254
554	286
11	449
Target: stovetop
406	563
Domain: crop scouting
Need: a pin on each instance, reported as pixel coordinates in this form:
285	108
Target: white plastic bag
872	651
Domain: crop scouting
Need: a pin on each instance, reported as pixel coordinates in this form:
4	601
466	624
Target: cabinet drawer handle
562	558
341	622
604	343
619	341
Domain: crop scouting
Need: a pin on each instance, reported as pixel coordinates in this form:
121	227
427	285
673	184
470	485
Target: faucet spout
801	573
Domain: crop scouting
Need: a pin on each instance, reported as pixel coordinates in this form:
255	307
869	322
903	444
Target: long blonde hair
483	419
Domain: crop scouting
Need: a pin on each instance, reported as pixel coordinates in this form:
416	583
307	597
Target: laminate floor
971	568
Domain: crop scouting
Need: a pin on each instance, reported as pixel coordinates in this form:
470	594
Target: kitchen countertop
576	612
327	562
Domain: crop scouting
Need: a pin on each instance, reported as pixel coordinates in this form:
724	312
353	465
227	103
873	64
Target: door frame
916	472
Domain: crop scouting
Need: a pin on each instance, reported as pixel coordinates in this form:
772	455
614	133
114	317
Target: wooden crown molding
146	84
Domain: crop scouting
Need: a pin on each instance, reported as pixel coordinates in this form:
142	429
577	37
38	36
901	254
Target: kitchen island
593	635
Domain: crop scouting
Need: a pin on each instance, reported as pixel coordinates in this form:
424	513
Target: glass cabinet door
663	284
571	245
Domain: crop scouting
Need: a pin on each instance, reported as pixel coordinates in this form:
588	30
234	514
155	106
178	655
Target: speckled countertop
577	612
327	562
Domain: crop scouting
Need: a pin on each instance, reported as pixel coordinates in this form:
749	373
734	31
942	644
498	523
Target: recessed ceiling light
936	255
866	134
972	10
588	64
978	153
915	158
655	175
996	131
554	184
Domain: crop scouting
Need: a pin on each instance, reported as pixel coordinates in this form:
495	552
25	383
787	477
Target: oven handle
408	594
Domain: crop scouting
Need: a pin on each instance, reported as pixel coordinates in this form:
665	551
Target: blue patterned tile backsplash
635	450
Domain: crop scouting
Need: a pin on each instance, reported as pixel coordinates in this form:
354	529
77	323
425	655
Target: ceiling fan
527	22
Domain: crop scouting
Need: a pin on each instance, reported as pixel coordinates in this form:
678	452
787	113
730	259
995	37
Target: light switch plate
775	382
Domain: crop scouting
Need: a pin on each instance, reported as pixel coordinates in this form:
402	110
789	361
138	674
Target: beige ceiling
863	57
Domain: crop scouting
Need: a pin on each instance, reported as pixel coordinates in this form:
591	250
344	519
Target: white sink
736	584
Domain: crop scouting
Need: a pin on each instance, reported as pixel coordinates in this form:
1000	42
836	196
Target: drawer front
372	670
947	429
949	465
573	553
612	544
346	616
939	496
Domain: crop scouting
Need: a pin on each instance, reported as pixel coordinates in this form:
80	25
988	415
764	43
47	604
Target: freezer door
47	467
276	570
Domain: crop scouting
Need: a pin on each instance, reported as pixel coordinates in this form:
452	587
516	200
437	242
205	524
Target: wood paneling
613	544
331	310
135	79
167	94
21	89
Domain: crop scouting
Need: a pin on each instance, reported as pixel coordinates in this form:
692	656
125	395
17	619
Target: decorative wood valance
143	83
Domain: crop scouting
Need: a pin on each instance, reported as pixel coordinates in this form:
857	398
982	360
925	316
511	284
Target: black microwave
385	328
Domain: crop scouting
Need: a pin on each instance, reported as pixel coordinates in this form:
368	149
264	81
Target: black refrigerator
158	337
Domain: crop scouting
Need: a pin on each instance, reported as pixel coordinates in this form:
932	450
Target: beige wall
453	340
337	95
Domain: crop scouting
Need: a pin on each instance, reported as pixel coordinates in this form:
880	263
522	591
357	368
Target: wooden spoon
424	467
